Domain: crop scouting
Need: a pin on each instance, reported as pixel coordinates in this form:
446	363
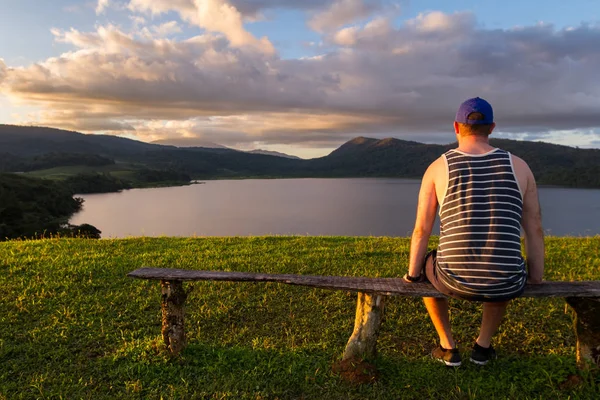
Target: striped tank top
479	254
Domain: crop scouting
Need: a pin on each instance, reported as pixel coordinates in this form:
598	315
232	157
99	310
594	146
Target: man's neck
474	144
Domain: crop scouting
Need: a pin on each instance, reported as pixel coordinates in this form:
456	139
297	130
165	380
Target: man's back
479	255
531	214
440	175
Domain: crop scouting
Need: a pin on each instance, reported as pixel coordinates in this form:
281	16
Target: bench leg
173	300
363	342
587	329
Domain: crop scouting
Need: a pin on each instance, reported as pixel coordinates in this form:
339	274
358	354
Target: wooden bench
582	296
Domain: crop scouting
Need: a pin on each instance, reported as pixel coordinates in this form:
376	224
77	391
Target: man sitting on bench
485	195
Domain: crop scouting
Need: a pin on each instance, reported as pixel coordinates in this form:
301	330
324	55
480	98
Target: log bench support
369	314
173	313
587	329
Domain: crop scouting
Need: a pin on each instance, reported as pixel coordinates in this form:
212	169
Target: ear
456	127
492	128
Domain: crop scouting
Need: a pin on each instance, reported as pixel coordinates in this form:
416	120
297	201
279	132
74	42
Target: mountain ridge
41	140
273	153
360	157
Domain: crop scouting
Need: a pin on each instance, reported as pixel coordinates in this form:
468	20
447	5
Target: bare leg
438	312
492	317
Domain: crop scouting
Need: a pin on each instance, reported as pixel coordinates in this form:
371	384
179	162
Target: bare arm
426	210
532	225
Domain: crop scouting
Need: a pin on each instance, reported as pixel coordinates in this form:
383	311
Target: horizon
218	146
301	77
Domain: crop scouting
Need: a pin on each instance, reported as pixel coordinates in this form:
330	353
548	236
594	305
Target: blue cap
473	105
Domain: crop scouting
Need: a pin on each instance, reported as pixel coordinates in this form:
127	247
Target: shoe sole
449	363
479	362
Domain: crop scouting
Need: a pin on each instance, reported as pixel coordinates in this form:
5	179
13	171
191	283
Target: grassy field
73	326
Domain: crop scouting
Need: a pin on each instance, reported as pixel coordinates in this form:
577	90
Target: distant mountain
198	142
27	148
34	140
273	153
189	142
23	146
557	165
550	163
371	157
357	144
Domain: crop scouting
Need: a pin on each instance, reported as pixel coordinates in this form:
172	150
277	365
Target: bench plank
383	286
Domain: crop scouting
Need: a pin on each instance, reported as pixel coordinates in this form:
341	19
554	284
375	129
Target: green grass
73	326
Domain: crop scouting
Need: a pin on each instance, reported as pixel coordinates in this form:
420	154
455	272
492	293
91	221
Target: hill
273	153
557	165
29	141
188	142
31	148
366	157
24	147
551	164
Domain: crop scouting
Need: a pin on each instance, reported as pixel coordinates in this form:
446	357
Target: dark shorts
431	273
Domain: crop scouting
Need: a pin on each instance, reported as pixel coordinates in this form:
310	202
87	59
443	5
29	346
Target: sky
301	76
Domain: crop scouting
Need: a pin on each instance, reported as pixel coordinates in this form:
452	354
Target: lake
349	207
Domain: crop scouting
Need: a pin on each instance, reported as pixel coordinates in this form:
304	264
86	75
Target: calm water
353	207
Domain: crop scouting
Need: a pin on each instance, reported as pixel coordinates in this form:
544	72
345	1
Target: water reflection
352	207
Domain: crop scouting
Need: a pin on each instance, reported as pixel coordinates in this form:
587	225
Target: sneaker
450	357
482	355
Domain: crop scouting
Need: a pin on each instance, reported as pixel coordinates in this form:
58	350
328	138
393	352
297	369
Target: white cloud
437	21
220	16
212	15
137	21
157	7
350	36
102	6
250	9
166	29
341	12
3	70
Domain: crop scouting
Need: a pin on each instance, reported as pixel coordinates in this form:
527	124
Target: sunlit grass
73	326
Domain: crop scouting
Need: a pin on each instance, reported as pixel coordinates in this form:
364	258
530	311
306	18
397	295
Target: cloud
102	6
166	29
437	21
212	15
238	131
220	16
248	8
342	12
253	7
375	79
3	70
351	35
157	7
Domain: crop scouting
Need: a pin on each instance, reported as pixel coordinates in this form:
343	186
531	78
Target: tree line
36	208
